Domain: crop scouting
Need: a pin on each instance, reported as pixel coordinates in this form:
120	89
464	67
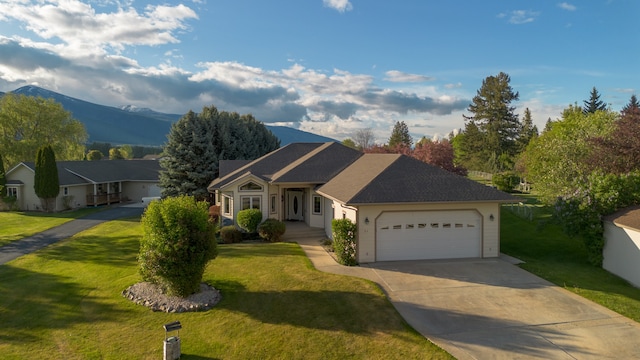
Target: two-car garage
415	235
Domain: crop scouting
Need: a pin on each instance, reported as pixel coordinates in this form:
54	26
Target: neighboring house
405	209
621	253
88	183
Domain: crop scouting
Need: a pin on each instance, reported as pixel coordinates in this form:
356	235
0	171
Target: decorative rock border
150	295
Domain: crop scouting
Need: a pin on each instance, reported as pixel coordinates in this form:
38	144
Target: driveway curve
38	241
492	309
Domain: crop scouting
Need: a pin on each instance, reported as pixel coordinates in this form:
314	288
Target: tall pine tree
594	103
46	181
496	122
400	136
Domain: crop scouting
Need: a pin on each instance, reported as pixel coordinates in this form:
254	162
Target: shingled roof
395	178
627	218
314	163
83	172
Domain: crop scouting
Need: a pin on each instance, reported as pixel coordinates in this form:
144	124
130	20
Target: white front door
294	205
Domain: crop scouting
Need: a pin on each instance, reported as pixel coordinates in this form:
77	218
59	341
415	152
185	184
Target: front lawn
549	253
65	302
17	225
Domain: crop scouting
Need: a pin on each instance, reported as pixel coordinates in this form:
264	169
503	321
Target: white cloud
81	28
518	17
567	6
399	76
340	5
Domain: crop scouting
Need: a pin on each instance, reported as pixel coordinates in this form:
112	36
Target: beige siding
136	190
367	233
622	252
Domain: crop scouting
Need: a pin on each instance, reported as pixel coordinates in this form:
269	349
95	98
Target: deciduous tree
94	155
26	123
619	152
364	138
557	162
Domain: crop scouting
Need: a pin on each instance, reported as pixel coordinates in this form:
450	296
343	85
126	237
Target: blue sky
326	66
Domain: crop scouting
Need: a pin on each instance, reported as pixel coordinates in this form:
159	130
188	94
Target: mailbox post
172	343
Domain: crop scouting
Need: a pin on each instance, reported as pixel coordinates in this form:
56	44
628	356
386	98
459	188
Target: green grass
18	225
65	302
551	254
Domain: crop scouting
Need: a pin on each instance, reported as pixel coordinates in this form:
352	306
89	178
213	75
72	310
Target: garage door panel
428	235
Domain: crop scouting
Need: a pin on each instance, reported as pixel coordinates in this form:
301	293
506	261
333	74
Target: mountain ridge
133	125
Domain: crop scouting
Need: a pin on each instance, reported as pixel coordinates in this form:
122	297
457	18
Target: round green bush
271	230
177	243
249	219
229	234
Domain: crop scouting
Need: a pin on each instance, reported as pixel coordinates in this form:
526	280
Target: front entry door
294	211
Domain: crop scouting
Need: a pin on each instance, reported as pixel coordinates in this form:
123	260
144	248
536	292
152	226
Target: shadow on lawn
352	312
120	251
48	302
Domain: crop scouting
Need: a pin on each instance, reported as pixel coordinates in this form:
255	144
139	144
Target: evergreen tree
594	103
400	136
46	181
189	162
497	124
527	131
197	142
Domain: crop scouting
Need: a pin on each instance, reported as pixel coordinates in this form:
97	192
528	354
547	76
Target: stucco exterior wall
367	233
622	252
316	220
27	199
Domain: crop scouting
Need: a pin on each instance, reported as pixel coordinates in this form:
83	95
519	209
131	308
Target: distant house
88	183
405	209
622	244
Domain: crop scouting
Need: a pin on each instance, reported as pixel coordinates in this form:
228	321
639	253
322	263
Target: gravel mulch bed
150	295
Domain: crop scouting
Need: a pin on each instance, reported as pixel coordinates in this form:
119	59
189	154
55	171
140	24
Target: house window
317	205
250	186
226	205
12	191
65	191
274	203
250	202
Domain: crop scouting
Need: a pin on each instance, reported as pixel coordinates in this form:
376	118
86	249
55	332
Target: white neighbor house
622	244
405	209
88	183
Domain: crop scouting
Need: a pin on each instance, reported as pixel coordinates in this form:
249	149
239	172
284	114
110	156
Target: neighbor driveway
492	309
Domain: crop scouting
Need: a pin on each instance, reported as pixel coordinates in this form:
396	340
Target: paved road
38	241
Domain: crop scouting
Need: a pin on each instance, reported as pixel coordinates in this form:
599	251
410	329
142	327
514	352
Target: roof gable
269	164
627	218
392	178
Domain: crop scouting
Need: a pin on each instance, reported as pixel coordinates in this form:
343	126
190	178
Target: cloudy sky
325	66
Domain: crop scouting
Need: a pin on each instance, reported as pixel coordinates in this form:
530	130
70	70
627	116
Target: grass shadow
49	302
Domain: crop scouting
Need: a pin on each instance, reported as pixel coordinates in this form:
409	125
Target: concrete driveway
491	309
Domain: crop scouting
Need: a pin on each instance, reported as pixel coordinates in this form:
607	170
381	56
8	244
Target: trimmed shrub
249	219
344	241
229	234
177	243
271	230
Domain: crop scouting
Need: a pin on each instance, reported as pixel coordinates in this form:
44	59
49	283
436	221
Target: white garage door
420	235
